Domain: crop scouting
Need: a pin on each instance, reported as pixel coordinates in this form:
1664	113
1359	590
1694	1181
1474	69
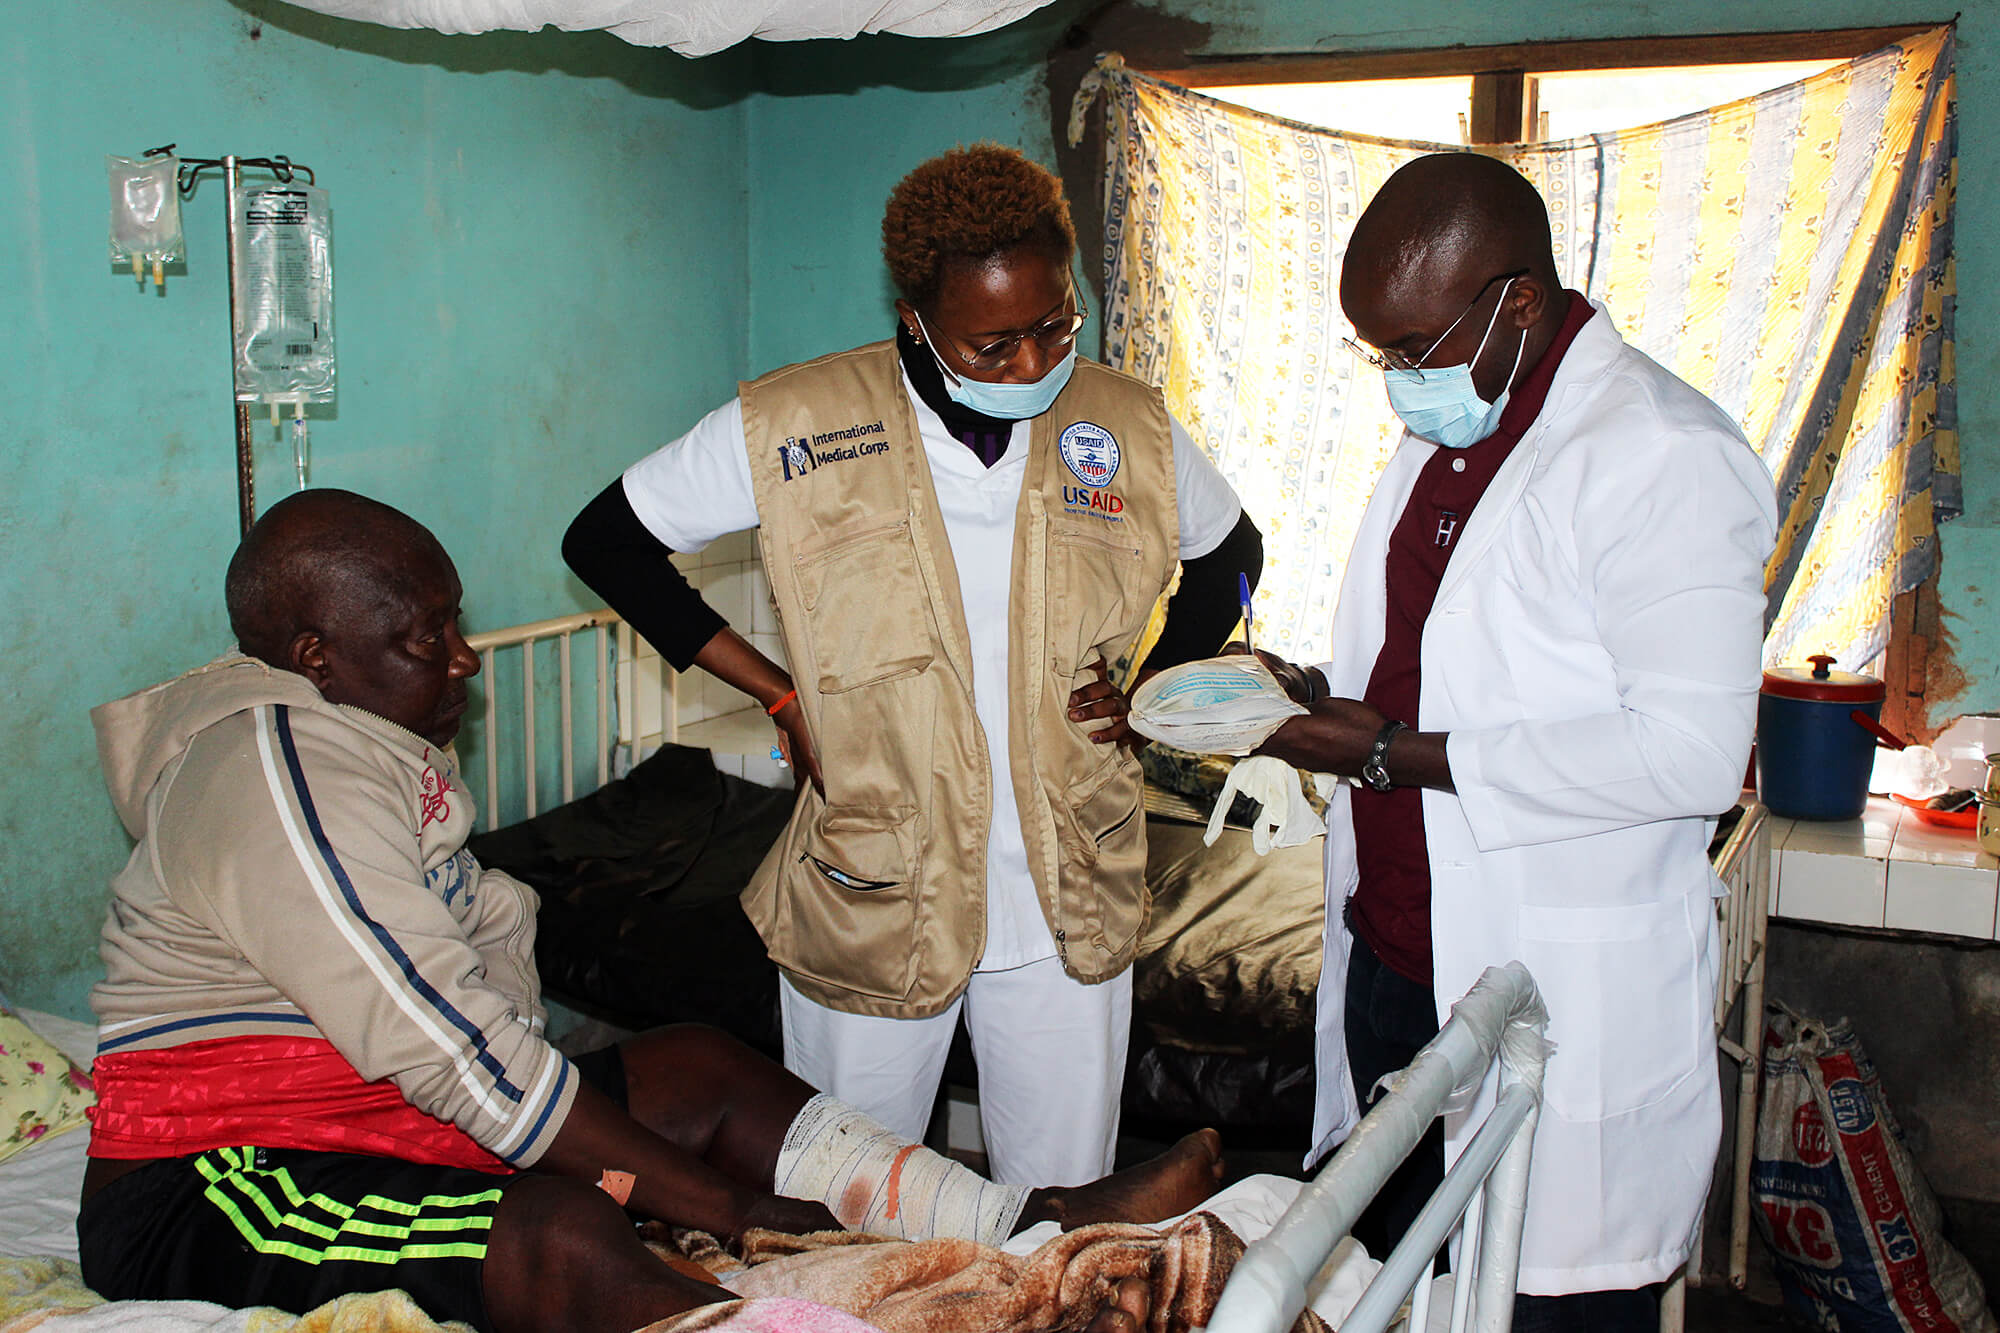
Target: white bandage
877	1182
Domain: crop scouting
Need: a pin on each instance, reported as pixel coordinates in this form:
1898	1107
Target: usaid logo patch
1090	453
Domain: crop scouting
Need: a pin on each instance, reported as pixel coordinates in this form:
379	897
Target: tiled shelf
1885	870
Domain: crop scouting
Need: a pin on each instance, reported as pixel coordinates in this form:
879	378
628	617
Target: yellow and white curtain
1790	255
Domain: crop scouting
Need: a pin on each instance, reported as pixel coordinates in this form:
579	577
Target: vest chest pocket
851	901
867	611
1096	584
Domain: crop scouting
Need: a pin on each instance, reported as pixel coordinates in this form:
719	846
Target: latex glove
1284	819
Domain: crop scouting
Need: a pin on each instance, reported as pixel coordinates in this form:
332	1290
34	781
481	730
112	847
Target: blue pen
1243	586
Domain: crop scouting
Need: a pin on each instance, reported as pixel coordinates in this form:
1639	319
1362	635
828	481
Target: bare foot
1171	1183
1127	1308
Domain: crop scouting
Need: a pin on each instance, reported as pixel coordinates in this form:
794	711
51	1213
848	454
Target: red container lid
1821	683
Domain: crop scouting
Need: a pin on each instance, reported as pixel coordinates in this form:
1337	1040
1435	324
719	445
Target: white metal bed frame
1744	865
604	627
1484	1196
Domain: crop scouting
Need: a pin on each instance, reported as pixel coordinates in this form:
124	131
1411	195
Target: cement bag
1853	1225
1219	705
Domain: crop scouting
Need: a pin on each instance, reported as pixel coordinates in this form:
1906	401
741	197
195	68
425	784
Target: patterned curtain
1790	255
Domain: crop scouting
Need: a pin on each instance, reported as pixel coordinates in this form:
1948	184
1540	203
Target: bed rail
1485	1192
519	738
1744	866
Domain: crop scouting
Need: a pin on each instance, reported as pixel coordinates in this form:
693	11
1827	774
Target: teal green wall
540	250
833	125
544	246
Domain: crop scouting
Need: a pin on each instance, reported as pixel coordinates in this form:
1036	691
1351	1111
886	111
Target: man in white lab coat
1544	674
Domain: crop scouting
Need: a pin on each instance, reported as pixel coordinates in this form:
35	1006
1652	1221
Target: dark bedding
640	924
639	881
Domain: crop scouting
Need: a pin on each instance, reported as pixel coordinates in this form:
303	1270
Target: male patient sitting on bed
321	1065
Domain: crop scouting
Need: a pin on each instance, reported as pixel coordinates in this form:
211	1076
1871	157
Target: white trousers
1051	1057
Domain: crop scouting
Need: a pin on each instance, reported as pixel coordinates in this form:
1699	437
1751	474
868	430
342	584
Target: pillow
41	1093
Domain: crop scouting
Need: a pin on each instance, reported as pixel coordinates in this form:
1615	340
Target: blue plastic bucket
1813	756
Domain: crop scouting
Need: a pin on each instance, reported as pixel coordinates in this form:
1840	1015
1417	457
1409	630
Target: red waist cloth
268	1092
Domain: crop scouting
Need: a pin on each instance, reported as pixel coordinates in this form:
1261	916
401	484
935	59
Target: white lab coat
1594	653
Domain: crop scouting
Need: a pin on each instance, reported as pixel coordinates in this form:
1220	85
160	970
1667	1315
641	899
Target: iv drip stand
231	165
246	479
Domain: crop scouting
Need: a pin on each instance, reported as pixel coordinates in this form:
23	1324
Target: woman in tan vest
961	526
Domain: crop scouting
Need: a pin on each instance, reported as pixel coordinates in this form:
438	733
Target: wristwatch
1374	772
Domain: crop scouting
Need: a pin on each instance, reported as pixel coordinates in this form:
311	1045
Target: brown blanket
958	1286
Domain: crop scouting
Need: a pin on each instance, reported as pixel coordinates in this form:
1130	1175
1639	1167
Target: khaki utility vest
874	900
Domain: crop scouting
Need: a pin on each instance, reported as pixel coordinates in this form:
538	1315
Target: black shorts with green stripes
295	1229
292	1229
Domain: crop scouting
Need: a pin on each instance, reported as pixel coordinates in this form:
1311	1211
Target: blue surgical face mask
1440	404
1008	402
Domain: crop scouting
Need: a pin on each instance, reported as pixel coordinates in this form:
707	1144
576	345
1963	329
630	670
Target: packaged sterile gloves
1219	705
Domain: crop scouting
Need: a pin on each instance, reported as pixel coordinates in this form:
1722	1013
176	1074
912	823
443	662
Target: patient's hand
794	1217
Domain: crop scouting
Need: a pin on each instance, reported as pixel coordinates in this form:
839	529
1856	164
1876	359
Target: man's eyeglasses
1053	334
1387	358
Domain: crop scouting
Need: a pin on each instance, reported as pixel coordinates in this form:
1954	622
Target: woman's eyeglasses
1053	334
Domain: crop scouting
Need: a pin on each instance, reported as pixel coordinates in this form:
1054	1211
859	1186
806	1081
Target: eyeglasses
1053	334
1387	358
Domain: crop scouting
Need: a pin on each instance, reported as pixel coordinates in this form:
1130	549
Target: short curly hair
971	204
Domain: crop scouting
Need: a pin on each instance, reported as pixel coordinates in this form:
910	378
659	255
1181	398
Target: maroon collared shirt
1391	907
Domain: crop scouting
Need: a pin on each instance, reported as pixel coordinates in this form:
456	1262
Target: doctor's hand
1338	736
795	743
1335	737
1302	684
1101	699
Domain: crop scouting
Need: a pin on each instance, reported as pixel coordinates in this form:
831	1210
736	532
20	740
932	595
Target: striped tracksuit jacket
301	871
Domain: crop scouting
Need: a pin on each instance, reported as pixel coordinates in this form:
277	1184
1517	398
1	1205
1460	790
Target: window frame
1504	95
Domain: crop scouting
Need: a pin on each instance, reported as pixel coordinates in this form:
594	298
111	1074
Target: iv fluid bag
145	209
283	234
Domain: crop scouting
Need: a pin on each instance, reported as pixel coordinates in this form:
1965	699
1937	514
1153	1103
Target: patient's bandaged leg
877	1182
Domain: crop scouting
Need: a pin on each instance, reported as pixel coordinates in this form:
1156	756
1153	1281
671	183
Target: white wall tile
763	613
765	771
1870	835
1918	841
1834	887
1943	899
720	697
645	707
772	647
690	696
727	589
731	548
